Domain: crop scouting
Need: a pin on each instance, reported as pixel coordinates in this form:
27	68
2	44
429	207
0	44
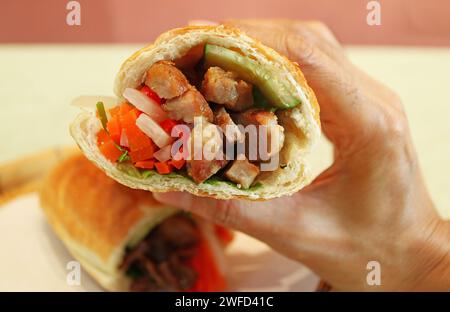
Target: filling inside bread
173	257
209	115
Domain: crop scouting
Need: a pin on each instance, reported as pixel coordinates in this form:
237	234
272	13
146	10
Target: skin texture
371	204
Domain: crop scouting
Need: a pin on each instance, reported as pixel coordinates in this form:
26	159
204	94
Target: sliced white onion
145	104
89	102
153	130
124	139
163	154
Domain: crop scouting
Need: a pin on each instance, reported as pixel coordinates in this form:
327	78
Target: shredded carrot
177	163
110	150
128	116
147	164
137	140
114	111
123	119
102	137
125	108
141	154
114	129
163	168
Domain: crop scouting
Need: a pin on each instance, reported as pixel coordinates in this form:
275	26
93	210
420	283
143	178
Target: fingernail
200	22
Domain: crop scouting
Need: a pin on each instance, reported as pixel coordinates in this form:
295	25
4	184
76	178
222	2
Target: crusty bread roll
301	123
97	218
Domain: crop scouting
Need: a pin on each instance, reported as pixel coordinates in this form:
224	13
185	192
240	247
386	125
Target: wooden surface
24	175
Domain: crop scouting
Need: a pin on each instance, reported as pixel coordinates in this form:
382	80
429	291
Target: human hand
371	204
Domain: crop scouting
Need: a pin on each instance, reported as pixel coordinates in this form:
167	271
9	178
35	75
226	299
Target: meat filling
229	128
242	172
206	149
274	138
166	80
184	103
223	87
187	106
232	108
160	261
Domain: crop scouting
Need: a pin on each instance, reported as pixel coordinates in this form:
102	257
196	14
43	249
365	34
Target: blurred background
416	22
45	62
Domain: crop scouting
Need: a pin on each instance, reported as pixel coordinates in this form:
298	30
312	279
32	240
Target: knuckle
322	30
227	213
319	25
393	140
297	48
394	125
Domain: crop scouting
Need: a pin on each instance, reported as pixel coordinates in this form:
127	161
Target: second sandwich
128	241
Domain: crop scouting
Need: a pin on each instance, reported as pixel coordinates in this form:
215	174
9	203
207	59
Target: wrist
431	253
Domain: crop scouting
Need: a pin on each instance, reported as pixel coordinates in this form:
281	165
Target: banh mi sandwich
208	87
125	239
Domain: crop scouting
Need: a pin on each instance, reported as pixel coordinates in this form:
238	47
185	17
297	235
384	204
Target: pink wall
418	22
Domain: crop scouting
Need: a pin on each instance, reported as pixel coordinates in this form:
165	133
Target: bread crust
302	123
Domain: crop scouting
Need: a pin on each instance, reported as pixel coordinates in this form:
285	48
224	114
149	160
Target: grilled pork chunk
242	172
206	152
184	102
229	128
259	117
187	106
224	88
166	80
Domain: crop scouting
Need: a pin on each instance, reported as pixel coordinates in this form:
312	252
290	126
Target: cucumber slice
278	92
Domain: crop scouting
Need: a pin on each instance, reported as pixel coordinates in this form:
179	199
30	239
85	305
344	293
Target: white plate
34	259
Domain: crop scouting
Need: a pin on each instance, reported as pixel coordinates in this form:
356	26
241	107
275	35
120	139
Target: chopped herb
102	115
147	173
214	181
218	181
120	148
255	186
124	157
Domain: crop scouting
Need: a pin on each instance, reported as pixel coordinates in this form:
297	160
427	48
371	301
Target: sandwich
125	239
207	110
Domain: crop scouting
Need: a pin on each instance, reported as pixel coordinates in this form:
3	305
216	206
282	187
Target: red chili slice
151	94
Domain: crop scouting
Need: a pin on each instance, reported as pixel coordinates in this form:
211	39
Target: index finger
250	217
